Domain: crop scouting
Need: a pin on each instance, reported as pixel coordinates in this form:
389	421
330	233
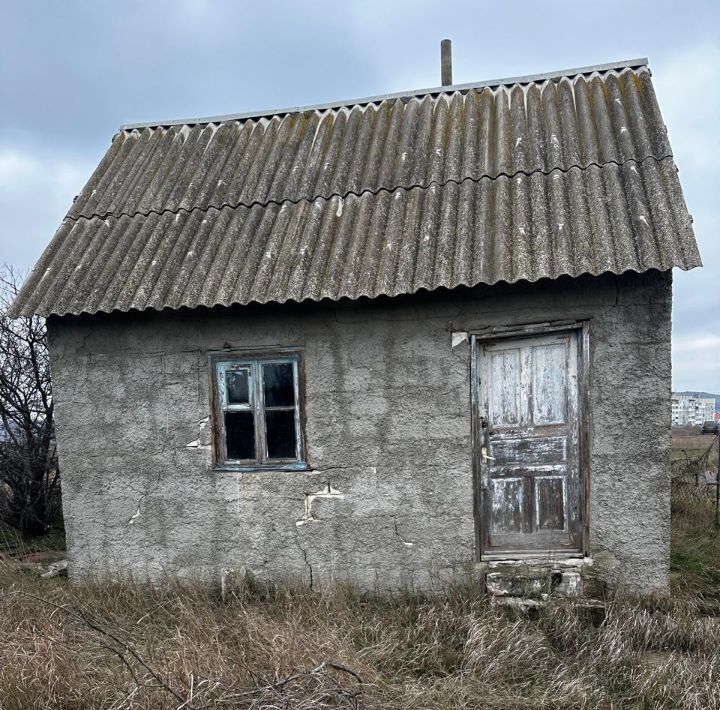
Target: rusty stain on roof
568	175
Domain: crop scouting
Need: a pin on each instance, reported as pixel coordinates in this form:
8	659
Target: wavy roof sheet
560	174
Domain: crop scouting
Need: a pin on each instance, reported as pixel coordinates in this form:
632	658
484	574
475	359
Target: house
399	341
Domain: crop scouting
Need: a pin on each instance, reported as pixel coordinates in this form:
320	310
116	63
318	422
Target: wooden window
257	411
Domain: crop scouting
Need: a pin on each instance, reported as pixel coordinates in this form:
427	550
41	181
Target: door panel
527	444
516	452
508	504
549	392
550	502
504	379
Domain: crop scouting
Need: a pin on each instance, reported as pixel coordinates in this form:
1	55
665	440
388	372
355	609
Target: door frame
499	334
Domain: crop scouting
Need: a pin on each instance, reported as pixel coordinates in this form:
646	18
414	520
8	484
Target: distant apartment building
688	410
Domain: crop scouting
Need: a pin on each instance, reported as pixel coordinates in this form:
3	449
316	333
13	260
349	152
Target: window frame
222	362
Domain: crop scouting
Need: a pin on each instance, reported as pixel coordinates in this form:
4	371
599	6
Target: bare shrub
29	476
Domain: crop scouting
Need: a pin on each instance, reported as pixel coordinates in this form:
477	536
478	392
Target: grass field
124	646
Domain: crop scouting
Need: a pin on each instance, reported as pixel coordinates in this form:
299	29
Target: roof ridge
375	191
523	79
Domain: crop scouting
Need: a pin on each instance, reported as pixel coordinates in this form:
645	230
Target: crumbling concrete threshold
523	582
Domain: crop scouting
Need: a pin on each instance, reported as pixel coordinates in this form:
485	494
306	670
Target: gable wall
388	428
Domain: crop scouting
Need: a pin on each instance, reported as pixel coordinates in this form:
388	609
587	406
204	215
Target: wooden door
527	444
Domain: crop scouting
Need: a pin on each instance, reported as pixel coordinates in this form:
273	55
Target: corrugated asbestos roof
570	174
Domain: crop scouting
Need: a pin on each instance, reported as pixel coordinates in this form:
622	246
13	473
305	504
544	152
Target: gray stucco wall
388	429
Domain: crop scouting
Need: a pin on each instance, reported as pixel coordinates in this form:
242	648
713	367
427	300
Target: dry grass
695	550
128	646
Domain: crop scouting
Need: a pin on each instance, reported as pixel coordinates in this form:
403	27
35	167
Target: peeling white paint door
527	439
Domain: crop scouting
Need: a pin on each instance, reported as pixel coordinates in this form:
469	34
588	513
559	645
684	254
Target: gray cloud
71	73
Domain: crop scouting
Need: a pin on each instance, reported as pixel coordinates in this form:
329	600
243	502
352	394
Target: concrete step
540	581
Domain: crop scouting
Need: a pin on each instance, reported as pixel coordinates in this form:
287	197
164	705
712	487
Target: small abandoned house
397	341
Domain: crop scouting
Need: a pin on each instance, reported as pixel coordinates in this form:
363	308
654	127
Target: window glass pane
237	386
240	435
281	441
278	380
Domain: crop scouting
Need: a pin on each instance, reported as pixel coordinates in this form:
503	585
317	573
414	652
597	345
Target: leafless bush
694	473
29	476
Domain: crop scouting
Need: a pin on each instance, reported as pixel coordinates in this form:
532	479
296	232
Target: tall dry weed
125	645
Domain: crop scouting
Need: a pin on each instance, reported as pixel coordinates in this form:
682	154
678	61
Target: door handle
484	454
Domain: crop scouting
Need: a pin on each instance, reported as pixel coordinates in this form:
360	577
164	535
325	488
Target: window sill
238	467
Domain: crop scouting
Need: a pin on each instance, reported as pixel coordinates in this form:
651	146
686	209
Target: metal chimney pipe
446	62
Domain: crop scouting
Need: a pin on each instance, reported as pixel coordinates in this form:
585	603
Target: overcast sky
71	72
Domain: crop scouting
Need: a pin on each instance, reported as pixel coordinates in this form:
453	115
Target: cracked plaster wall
388	502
